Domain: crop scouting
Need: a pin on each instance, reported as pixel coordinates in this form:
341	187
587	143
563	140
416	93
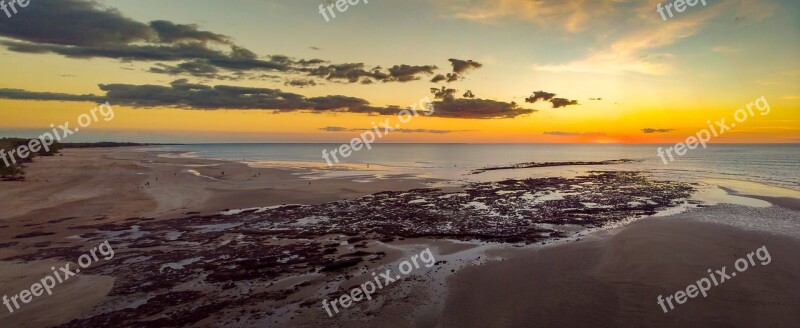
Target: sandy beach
395	164
610	277
96	186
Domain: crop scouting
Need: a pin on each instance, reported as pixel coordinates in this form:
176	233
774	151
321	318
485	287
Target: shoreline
80	189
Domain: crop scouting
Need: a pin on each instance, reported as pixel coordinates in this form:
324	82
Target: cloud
355	72
478	109
400	130
169	32
461	66
564	134
349	72
438	78
75	23
636	46
650	130
198	68
192	96
469	94
185	95
449	77
337	129
405	73
571	15
550	97
540	95
18	94
84	29
444	93
562	102
300	83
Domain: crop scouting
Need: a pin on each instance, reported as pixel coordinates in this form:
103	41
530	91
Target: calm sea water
775	165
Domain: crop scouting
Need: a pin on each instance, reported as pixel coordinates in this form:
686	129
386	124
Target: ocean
769	164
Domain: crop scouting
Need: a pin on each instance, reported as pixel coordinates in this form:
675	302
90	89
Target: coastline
91	187
109	186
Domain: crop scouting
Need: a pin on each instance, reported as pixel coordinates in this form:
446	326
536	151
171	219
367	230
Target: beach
394	164
96	186
175	219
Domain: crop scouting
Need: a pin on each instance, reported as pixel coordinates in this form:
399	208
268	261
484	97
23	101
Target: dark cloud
595	98
562	102
400	130
430	131
469	94
310	62
199	68
405	73
461	66
540	95
86	29
550	97
650	130
75	23
236	59
562	133
300	83
450	77
18	94
169	32
438	78
355	72
336	129
444	93
478	109
185	95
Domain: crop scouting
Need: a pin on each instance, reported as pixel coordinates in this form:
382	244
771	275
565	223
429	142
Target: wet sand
612	279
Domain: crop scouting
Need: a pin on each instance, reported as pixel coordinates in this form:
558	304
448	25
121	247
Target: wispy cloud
725	50
638	48
401	130
570	134
651	130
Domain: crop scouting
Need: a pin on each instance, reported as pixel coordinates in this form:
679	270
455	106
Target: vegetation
14	170
103	144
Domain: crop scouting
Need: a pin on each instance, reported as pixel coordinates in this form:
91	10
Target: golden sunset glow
671	76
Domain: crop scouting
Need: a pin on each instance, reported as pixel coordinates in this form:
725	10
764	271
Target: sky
477	71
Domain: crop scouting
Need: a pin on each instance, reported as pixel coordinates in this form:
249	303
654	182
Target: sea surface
768	164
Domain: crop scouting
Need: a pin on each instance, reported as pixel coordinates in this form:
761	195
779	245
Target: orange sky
670	76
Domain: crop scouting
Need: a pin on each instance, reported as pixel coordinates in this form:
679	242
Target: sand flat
612	280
